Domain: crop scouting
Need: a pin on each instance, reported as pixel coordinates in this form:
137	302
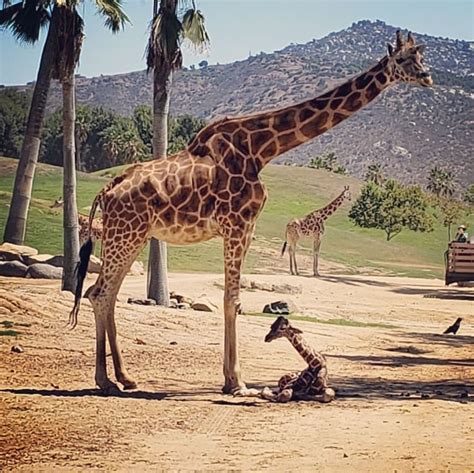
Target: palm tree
69	37
168	31
25	19
441	182
375	174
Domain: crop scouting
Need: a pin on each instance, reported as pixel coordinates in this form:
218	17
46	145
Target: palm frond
194	30
69	37
25	19
112	11
164	42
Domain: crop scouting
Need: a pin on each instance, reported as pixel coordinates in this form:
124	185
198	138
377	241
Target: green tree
69	38
329	162
469	195
374	174
13	113
451	212
169	30
25	19
391	208
441	182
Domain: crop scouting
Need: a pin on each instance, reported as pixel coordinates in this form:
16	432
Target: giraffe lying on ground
211	189
312	225
309	384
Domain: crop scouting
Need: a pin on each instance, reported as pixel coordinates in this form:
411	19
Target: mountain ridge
408	130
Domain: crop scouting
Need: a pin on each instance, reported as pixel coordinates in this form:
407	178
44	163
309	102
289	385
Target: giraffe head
346	193
406	62
281	328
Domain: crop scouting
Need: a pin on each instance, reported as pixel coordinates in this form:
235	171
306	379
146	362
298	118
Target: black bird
455	327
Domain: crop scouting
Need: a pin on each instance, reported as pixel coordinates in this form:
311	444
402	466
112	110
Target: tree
164	56
469	195
25	19
451	211
13	113
374	174
328	162
441	182
392	208
69	38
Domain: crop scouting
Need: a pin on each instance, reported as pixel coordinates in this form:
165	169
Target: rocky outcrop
14	269
44	271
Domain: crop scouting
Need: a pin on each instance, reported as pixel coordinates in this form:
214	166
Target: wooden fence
459	262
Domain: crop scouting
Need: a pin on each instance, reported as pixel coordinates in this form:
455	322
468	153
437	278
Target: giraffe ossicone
312	225
213	189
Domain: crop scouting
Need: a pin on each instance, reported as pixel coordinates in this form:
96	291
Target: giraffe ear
410	40
390	49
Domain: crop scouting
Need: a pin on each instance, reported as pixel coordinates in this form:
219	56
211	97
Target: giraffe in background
309	384
312	225
213	189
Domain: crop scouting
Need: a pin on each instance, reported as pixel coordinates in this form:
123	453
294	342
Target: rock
9	256
17	349
57	261
94	265
18	249
33	259
284	288
183	305
204	304
173	304
278	308
14	269
245	283
137	269
132	300
173	343
44	271
262	286
139	341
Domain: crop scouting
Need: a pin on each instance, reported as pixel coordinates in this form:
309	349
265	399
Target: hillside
293	192
409	129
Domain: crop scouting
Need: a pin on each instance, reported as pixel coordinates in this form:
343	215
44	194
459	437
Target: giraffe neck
298	124
302	347
329	209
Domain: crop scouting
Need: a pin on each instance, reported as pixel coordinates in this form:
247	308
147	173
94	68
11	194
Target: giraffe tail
284	248
81	268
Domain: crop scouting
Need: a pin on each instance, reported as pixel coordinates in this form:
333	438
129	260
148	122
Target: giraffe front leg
235	248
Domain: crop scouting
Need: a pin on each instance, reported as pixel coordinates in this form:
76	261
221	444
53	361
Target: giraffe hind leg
117	259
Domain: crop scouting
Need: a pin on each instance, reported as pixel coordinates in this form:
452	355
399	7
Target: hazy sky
239	27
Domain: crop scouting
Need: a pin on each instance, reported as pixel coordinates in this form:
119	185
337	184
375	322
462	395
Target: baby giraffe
309	384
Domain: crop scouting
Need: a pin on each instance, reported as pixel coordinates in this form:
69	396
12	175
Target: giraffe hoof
128	385
108	388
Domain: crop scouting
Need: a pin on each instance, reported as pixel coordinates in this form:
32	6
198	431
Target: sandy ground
404	393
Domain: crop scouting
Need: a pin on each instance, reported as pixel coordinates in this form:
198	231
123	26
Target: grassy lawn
293	192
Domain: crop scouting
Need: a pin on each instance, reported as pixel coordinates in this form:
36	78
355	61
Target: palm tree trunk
158	256
15	227
70	222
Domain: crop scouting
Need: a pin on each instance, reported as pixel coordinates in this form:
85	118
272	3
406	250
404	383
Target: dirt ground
404	392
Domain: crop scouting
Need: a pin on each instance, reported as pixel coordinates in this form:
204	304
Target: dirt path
404	391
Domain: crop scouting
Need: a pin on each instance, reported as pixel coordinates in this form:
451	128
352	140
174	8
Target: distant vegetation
103	138
328	162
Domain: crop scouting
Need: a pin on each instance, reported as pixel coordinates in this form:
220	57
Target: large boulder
18	249
137	269
94	265
204	304
33	259
279	308
57	261
44	271
13	269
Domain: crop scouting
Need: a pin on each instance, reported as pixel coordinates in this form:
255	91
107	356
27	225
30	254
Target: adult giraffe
213	188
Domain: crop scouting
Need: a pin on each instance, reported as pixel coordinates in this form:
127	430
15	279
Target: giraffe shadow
73	393
352	281
446	294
